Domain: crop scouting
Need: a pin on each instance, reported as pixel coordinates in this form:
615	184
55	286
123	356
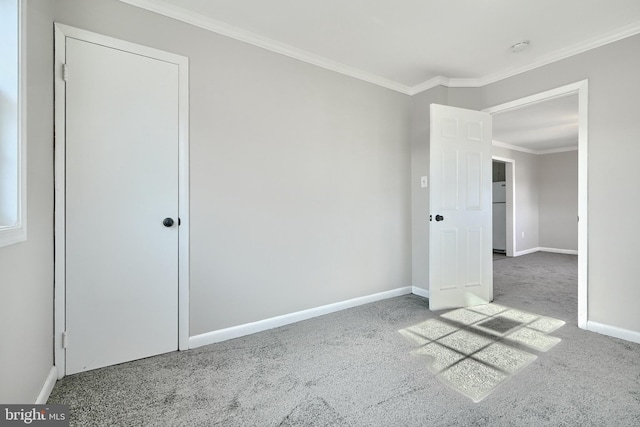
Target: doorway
579	90
504	206
121	219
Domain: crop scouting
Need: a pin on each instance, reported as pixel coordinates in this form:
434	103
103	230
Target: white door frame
582	89
510	204
61	33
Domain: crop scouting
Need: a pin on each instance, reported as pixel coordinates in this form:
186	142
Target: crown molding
593	43
558	150
530	151
610	37
455	82
210	24
445	81
207	23
429	84
512	147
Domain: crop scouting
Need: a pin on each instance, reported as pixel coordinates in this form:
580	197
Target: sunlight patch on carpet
475	349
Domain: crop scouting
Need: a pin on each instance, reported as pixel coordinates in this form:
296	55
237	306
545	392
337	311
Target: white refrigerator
499	216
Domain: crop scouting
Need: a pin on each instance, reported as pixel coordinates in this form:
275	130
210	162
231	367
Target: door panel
448	267
460	260
449	199
474	181
121	182
474	257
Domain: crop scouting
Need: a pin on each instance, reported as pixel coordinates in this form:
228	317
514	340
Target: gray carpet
353	368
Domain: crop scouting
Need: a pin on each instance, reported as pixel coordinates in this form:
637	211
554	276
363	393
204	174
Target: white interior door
460	253
122	115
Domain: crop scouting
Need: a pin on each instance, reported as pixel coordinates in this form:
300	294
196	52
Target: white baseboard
559	251
47	387
275	322
541	249
525	252
420	291
613	331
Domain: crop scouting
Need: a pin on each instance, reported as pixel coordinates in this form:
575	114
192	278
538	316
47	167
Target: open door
460	243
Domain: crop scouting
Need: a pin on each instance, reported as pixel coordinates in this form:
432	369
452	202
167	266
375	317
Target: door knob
439	218
168	222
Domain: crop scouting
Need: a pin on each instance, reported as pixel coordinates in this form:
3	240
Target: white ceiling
413	45
543	127
406	44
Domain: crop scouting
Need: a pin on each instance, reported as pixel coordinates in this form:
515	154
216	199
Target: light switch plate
424	180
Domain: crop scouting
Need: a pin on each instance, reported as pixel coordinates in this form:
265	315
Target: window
13	227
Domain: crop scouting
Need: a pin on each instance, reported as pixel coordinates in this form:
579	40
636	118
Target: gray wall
299	176
26	269
546	199
527	197
614	150
558	200
420	196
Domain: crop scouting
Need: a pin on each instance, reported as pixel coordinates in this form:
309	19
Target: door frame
582	89
510	203
61	33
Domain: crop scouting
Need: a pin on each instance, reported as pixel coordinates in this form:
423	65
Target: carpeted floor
354	368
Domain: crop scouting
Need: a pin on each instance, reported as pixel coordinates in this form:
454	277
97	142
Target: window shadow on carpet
475	349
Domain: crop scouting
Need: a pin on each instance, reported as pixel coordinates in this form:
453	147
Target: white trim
543	249
59	293
512	147
286	319
183	204
429	84
446	82
547	95
468	82
613	331
219	27
526	252
420	291
61	33
557	150
510	203
582	89
18	232
47	387
210	24
583	203
559	251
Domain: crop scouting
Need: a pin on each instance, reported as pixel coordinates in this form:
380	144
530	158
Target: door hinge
65	339
65	72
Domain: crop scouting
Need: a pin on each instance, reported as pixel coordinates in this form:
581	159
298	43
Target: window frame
11	234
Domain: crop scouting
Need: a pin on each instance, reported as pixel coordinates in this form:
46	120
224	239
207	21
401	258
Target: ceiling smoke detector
520	46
